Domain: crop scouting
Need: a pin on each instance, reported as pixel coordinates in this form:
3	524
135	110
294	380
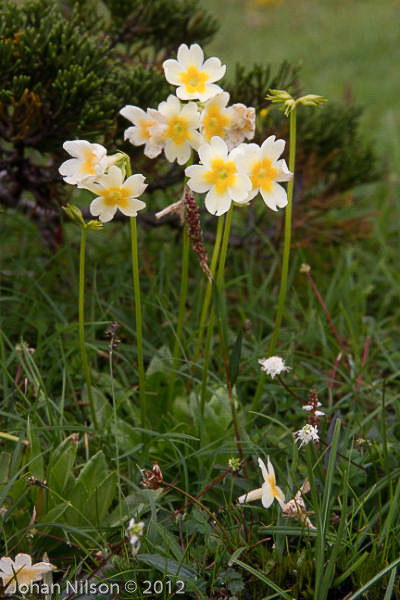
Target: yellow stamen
274	490
177	130
145	128
115	196
263	174
194	80
214	123
88	163
222	174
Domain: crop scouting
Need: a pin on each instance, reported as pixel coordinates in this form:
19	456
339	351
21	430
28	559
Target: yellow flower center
214	123
271	481
263	174
115	196
88	163
145	128
222	174
194	80
177	130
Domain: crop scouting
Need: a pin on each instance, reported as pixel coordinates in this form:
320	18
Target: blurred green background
349	49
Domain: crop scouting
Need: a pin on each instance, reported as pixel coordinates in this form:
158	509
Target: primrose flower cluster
199	119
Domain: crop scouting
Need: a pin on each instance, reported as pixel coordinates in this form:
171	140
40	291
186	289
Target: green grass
60	493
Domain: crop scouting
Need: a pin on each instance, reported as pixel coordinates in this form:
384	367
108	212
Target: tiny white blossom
308	407
269	490
306	434
194	77
319	413
274	365
135	532
21	572
143	130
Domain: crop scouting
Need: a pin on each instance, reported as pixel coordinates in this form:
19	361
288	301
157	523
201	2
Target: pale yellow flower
176	129
194	77
140	134
266	171
89	161
269	490
21	571
218	175
233	124
113	193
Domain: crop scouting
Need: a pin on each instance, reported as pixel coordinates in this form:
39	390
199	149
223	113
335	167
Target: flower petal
197	181
22	561
77	148
214	69
132	206
240	190
276	198
135	184
132	113
173	71
283	172
251	496
245	156
217	148
217	204
267	495
191	56
272	148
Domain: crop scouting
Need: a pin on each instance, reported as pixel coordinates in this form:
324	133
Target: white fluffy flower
21	571
176	129
135	532
306	434
113	193
89	161
261	164
274	365
269	489
143	131
219	176
194	77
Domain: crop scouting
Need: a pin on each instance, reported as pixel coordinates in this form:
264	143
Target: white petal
276	198
251	496
77	148
135	184
220	100
133	205
70	168
134	135
96	206
195	139
191	56
215	149
191	113
197	181
267	495
245	156
263	469
6	565
107	213
272	148
113	178
217	204
280	497
42	568
271	471
152	150
183	153
22	560
173	71
132	113
170	107
214	69
240	190
210	91
283	172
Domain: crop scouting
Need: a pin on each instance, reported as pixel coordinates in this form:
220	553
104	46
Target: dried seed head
194	229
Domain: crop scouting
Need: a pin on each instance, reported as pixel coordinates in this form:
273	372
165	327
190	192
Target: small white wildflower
135	532
274	365
306	434
21	572
319	413
89	160
269	490
308	407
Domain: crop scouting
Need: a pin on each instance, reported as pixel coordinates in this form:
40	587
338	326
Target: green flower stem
207	295
138	311
85	363
286	255
210	328
181	311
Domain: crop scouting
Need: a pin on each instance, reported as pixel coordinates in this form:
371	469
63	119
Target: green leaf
168	566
